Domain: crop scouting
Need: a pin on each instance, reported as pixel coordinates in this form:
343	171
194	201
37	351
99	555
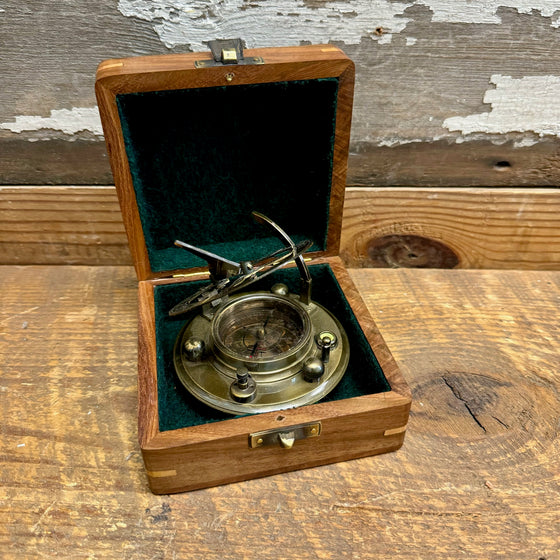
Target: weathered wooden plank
477	476
54	162
444	163
438	163
61	225
442	91
406	227
448	228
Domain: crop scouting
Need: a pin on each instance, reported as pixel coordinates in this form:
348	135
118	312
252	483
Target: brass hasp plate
286	436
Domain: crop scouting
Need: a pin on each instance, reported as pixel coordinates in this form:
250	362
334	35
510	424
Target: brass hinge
227	52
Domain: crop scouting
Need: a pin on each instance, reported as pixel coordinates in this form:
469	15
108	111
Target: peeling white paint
391	142
528	104
467	11
265	23
496	140
70	122
411	41
525	143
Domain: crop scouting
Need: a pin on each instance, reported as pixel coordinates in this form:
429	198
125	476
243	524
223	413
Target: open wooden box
195	146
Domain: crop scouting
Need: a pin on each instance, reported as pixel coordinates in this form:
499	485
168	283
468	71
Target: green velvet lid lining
179	409
202	159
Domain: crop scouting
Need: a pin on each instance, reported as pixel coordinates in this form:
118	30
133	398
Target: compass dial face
261	328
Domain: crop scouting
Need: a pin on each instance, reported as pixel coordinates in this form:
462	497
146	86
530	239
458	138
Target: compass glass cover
261	328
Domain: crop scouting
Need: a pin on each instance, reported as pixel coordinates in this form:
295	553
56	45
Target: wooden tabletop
478	475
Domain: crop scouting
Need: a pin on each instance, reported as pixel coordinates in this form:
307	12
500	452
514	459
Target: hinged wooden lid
194	148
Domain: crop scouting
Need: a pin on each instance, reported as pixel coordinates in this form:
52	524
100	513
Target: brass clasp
226	52
285	437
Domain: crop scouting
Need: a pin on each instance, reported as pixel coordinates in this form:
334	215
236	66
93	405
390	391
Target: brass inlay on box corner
393	431
162	474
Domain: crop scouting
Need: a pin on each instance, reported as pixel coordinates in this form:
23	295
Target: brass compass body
258	351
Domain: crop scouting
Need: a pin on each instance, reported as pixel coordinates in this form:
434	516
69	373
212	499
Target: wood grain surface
402	227
452	228
62	225
477	477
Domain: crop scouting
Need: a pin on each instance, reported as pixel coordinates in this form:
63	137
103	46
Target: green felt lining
178	409
202	159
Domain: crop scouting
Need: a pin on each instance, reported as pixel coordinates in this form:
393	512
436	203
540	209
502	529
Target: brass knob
313	369
194	349
280	289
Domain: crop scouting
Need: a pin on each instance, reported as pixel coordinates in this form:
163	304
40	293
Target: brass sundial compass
248	352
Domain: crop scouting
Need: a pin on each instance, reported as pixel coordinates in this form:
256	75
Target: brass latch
285	437
229	56
227	52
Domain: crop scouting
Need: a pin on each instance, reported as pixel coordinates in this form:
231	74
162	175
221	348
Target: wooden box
194	147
